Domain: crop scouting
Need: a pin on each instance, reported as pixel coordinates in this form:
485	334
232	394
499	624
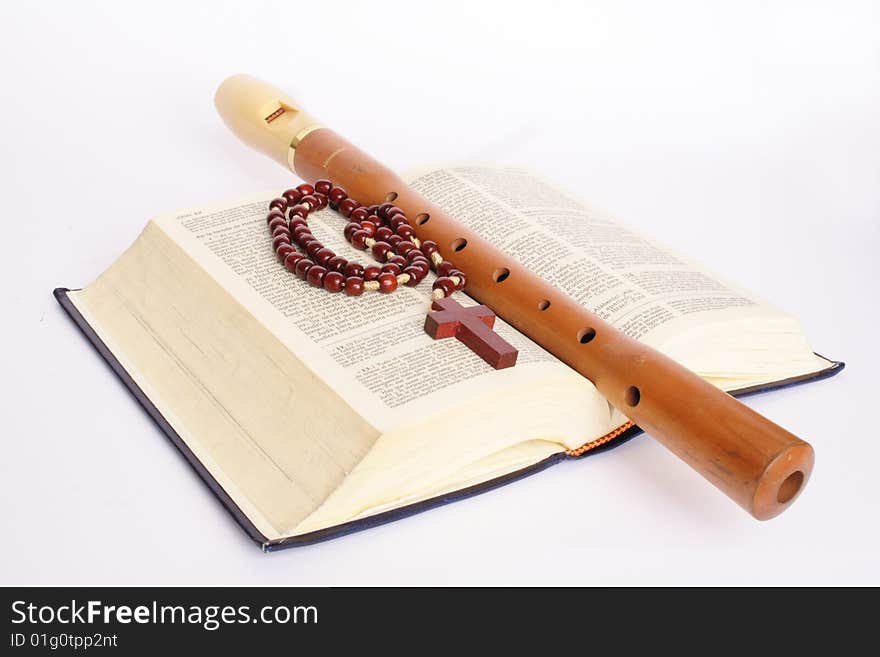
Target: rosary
385	231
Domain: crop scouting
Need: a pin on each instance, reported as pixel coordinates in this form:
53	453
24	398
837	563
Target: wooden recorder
758	464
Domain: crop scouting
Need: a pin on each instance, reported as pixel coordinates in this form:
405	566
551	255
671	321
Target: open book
311	414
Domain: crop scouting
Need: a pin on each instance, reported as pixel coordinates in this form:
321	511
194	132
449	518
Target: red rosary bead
337	195
323	186
333	281
324	256
444	283
380	249
350	229
445	268
278	241
310	200
284	250
371	273
348	206
359	214
292	196
305	189
315	275
387	283
302	267
354	286
337	263
359	239
291	259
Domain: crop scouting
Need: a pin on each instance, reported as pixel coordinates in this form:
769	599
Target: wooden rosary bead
278	241
333	281
337	195
389	268
414	254
292	196
397	260
415	276
274	212
350	229
380	249
315	275
382	210
403	247
354	269
348	206
394	240
313	247
444	283
359	214
372	272
445	268
284	250
369	227
337	263
305	189
309	200
387	283
280	230
359	239
322	200
301	232
299	210
429	247
323	186
383	233
301	268
354	286
278	204
323	256
291	259
405	231
275	222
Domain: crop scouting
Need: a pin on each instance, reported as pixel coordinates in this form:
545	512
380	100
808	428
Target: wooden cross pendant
473	326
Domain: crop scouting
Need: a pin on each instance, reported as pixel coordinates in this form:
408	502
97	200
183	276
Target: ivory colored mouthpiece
263	116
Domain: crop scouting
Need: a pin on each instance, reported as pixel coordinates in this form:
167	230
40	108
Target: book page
371	349
639	286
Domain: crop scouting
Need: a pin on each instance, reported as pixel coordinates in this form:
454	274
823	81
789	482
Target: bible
311	415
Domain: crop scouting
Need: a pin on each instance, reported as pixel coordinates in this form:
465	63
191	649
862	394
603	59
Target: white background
746	134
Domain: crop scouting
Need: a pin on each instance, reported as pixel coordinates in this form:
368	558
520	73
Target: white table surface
746	134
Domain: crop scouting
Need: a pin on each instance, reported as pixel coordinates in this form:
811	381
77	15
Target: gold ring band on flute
757	463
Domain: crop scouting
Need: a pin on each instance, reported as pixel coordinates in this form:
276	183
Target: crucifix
473	326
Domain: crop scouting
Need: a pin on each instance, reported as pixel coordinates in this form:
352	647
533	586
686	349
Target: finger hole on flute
632	396
500	275
543	304
390	196
586	334
459	244
422	219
